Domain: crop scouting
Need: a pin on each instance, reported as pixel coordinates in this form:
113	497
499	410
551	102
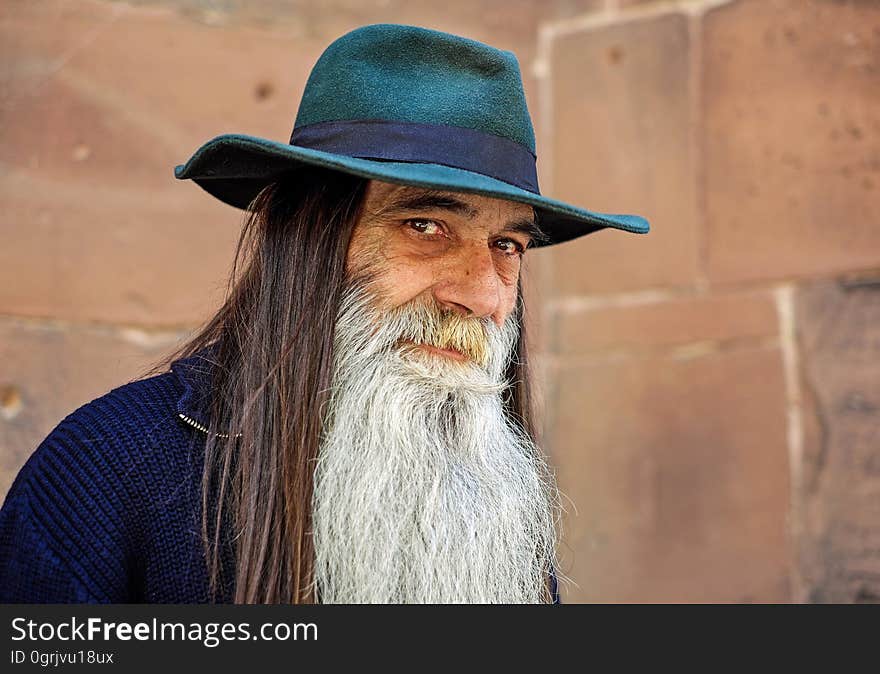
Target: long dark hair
272	353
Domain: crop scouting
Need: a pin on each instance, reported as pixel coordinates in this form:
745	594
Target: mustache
425	321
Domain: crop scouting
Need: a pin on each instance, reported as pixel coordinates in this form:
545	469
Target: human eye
510	247
424	226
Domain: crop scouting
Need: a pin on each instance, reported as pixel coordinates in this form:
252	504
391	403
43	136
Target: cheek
399	274
508	301
399	281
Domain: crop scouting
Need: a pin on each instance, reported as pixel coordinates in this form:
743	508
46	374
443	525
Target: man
354	424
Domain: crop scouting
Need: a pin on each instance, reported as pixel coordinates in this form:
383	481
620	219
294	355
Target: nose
471	285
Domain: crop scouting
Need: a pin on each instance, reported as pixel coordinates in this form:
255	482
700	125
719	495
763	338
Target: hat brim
235	167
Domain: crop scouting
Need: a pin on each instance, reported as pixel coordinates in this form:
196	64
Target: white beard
425	492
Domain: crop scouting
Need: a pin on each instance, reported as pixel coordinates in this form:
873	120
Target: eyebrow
428	200
531	228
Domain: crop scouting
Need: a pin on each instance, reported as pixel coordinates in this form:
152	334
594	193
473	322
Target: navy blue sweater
107	508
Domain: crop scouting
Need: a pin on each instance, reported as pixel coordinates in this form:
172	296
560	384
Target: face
427	489
463	249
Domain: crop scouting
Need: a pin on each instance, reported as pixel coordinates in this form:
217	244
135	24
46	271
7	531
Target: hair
271	368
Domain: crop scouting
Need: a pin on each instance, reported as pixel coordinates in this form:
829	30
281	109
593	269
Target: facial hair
425	490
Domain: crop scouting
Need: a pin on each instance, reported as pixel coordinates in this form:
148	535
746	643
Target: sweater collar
195	374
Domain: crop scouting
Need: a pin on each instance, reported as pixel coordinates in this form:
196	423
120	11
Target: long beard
425	491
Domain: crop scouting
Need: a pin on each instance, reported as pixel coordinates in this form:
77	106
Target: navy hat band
455	146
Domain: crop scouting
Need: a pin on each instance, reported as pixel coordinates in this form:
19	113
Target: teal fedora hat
406	105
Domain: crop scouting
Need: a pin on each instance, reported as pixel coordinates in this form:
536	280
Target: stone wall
711	390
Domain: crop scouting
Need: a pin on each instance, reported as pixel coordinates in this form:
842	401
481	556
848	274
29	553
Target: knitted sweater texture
107	508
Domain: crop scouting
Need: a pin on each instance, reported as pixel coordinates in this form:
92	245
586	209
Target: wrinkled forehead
384	198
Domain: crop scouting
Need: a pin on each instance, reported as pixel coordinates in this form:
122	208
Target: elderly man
354	424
